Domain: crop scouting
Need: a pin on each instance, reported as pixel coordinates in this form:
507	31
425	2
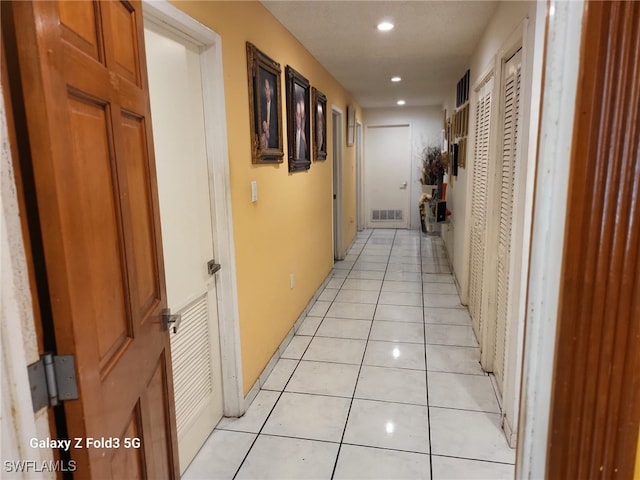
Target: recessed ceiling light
395	79
385	26
401	102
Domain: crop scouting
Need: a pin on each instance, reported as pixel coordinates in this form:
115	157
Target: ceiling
429	47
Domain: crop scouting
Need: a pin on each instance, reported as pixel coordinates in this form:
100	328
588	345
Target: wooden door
595	407
83	74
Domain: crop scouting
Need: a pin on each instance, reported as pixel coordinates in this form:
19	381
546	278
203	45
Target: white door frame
218	159
337	125
359	179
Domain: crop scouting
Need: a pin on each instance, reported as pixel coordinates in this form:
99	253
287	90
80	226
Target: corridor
381	380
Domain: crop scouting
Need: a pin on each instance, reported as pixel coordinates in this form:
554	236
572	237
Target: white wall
426	127
18	345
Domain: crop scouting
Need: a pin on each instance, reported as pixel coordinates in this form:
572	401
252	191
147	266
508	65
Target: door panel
87	110
388	165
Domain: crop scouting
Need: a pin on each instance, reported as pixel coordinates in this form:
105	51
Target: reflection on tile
438	288
281	458
314	417
449	316
297	347
328	294
398	298
466	392
437	278
255	415
321	378
366	274
402	277
461	336
362	284
392	385
403	268
454	359
406	287
399	313
344	328
339	350
319	309
388	425
474	435
357	311
459	468
397	332
220	456
355	462
357	296
343	265
335	283
374	266
280	375
442	301
337	273
394	354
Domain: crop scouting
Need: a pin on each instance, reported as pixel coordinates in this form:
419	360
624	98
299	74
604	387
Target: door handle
403	186
170	320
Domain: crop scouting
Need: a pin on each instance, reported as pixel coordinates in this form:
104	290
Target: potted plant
434	164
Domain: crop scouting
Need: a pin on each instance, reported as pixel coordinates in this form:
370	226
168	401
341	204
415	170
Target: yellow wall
289	229
637	474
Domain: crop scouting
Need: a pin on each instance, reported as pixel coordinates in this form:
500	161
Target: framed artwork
319	103
298	121
351	125
265	110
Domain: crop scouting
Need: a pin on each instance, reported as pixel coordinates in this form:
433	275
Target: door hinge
213	267
52	379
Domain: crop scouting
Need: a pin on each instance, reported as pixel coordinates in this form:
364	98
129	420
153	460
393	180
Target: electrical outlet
292	280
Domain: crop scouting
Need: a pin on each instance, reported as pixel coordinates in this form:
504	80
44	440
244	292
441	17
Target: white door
510	128
478	219
387	173
183	173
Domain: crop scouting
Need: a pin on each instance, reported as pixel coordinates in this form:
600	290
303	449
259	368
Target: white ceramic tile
337	273
397	332
392	385
408	259
437	278
335	282
344	328
357	296
406	287
309	326
449	316
473	435
374	258
357	311
431	268
279	458
328	294
454	359
467	392
399	313
447	468
254	417
220	456
339	350
343	265
297	347
402	277
314	417
355	462
366	275
322	378
319	309
388	425
358	284
394	354
280	374
458	335
438	288
399	298
442	301
376	267
351	257
403	267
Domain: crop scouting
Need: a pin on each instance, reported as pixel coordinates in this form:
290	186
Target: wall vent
382	215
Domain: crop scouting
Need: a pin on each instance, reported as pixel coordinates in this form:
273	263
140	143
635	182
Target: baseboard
510	433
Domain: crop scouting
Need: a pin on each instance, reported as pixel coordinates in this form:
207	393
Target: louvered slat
192	369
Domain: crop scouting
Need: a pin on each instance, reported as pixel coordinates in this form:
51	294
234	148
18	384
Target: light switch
254	191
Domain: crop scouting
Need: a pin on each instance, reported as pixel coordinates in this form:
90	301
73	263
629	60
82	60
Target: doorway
336	115
359	200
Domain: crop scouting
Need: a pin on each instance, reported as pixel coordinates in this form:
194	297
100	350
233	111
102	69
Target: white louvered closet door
511	101
479	203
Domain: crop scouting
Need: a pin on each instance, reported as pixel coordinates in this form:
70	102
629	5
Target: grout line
426	367
474	459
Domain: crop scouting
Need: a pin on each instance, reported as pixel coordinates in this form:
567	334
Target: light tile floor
382	380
